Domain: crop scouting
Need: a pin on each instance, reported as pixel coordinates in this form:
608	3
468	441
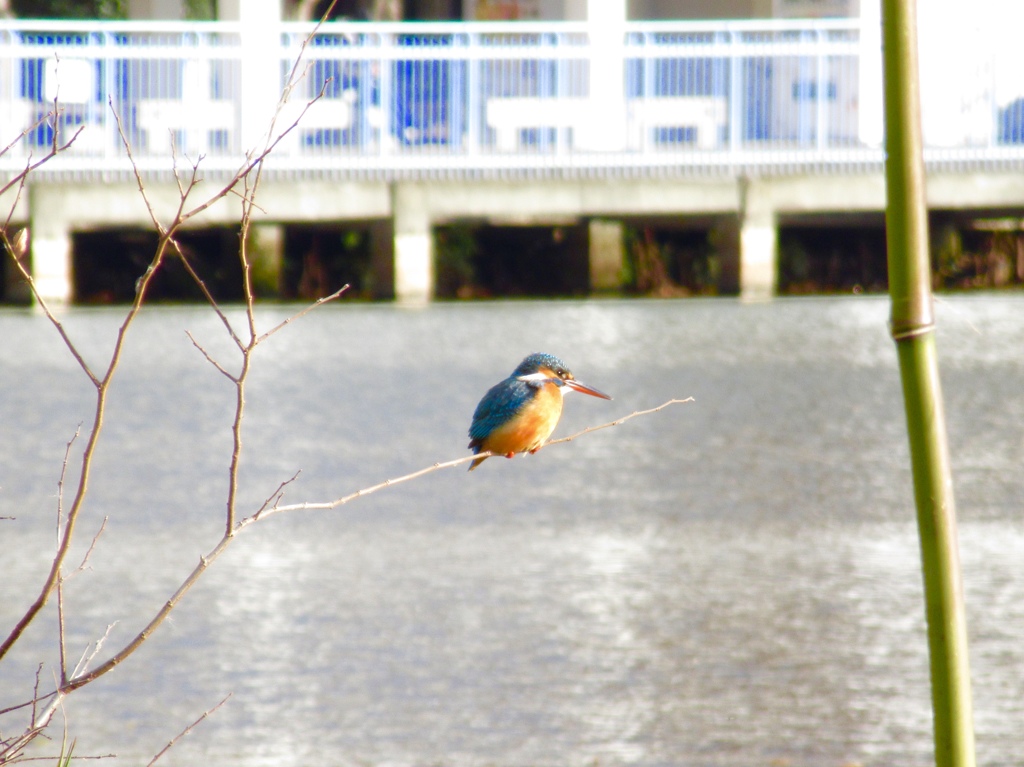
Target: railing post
473	100
565	84
367	112
822	90
455	82
261	65
604	128
385	71
869	75
111	139
736	110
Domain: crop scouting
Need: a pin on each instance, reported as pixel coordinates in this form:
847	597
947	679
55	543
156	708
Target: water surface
731	582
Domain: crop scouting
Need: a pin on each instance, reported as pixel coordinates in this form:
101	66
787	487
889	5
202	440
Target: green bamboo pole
913	330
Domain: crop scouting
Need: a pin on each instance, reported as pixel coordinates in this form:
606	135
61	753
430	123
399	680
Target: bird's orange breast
530	427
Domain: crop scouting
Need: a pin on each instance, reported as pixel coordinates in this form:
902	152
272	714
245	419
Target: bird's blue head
539	368
537	362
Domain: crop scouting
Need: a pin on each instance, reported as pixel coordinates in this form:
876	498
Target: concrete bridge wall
749	207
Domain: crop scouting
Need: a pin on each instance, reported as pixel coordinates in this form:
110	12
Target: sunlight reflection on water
732	582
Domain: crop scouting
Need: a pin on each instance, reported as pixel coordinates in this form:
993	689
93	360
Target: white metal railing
463	99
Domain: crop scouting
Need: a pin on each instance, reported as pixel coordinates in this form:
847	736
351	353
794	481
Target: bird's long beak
582	387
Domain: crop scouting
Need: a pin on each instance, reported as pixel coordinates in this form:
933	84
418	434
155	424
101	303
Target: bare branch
209	296
618	421
35	693
50	759
253	162
22	135
209	359
154	623
277	495
55	139
31	166
26	275
447	465
248	203
61	644
294	77
61	580
135	168
33	701
264	512
60	480
102	389
245	184
88	657
38	722
302	313
85	559
186	731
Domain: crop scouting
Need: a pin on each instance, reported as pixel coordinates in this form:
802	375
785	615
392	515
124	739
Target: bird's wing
501	402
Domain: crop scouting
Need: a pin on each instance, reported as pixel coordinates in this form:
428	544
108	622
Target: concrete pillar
758	262
758	242
414	244
166	10
265	249
606	254
50	242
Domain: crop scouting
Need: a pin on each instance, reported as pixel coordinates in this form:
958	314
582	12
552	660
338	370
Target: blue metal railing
464	99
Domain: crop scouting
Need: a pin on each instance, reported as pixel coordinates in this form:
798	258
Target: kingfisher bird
519	414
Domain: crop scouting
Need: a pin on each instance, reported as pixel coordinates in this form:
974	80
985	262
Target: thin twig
616	422
447	465
248	202
88	657
102	389
61	646
302	313
252	163
53	576
135	168
22	135
35	694
208	295
209	358
26	275
60	480
13	747
276	496
229	536
51	759
31	166
186	731
92	546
